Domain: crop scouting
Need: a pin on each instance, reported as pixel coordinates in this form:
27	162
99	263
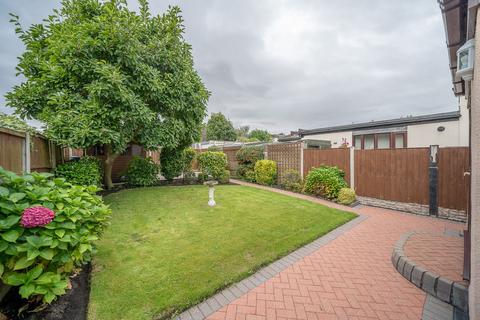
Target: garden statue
211	190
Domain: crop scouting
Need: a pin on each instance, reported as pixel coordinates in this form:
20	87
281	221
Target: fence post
352	167
302	146
433	181
27	159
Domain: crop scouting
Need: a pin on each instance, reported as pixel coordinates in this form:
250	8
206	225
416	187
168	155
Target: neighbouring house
460	18
448	129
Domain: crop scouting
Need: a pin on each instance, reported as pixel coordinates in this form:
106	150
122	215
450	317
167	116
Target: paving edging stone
235	291
454	293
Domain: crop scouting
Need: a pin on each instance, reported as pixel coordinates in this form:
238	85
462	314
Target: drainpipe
433	181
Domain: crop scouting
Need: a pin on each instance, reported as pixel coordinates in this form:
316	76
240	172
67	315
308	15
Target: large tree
260	135
97	73
220	128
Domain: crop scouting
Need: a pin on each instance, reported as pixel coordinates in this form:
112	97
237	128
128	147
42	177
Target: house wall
454	135
336	138
474	288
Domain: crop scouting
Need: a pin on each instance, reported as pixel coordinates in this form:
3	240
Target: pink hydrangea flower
36	216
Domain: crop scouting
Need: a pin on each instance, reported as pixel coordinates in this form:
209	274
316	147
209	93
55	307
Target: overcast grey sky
287	64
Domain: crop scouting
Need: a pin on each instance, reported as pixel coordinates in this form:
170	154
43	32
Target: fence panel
231	152
393	174
11	150
453	184
40	155
314	158
286	155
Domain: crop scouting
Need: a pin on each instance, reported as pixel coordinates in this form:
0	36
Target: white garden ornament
211	192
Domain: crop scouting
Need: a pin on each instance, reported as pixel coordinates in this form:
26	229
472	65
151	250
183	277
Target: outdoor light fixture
465	59
441	129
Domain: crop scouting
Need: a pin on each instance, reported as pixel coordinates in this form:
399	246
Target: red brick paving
438	253
351	277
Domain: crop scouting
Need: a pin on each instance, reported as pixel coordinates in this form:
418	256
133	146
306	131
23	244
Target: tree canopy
220	128
98	73
260	135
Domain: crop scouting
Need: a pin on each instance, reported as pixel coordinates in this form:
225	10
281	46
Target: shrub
212	164
325	181
346	196
85	171
188	157
291	180
247	157
250	176
265	172
172	163
225	177
47	229
142	172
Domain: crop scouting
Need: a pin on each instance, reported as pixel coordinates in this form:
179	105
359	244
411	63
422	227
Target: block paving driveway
351	277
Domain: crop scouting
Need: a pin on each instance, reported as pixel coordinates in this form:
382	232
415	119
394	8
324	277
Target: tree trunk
110	157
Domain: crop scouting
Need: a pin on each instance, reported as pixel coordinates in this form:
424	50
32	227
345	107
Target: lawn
167	250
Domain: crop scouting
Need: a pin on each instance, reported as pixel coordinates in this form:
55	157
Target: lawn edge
236	290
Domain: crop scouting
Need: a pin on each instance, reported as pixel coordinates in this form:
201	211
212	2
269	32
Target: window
383	141
357	142
369	142
399	140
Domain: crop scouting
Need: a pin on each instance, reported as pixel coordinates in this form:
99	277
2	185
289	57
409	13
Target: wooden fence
314	158
286	155
21	153
453	183
393	174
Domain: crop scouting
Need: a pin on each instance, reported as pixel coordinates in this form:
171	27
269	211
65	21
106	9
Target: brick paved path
351	277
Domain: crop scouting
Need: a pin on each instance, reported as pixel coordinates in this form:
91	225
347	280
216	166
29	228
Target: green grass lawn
167	250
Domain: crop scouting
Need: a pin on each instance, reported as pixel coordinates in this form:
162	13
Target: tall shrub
47	228
85	172
266	172
172	163
247	156
325	182
142	172
212	164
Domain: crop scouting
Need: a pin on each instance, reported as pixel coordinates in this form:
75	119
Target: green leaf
23	263
47	253
84	247
3	245
7	207
2	268
60	232
17	196
32	253
9	222
46	278
35	272
15	279
11	235
49	297
26	290
4	192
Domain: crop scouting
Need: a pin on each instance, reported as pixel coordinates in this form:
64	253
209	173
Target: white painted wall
335	137
454	135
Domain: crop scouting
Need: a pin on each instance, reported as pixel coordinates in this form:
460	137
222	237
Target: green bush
346	196
225	177
265	172
172	163
212	164
142	172
188	157
85	171
247	157
325	182
39	259
291	180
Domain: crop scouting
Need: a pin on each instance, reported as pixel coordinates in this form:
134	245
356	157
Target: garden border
235	291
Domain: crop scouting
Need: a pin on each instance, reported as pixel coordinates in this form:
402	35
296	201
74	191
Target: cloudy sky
287	64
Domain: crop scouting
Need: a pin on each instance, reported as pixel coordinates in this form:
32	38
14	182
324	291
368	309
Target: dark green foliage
325	182
39	260
142	172
172	163
265	172
224	177
212	164
260	135
291	180
85	172
247	157
189	156
220	128
99	73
